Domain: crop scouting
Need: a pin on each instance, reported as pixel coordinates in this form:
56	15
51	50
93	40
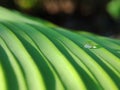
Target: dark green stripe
28	33
62	49
10	76
116	41
115	78
102	43
18	62
41	64
90	84
38	59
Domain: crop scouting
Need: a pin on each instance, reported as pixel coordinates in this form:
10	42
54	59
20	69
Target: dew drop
90	46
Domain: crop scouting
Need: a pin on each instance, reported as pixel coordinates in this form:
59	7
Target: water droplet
90	45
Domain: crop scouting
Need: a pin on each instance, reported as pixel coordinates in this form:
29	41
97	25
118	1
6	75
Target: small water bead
90	46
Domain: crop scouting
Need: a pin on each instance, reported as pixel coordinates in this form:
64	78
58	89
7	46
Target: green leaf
37	55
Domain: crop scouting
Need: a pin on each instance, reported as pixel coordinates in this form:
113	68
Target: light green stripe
50	33
109	57
59	85
105	54
97	70
56	58
103	78
20	32
66	41
78	61
109	43
24	58
64	68
14	64
113	61
107	63
84	40
67	72
3	85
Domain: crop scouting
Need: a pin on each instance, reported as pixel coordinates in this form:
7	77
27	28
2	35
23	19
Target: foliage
37	55
114	8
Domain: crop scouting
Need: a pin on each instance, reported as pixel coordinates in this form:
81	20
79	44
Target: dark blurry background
97	16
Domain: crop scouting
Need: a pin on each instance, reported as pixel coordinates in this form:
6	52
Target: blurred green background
97	16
